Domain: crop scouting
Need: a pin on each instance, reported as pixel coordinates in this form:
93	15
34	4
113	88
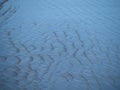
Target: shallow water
59	45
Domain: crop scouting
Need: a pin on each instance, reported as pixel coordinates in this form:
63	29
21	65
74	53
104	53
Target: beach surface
59	45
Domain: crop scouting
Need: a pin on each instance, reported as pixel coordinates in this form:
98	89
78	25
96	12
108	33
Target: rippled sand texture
59	45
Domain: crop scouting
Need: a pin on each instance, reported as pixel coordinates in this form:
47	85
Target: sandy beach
59	45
